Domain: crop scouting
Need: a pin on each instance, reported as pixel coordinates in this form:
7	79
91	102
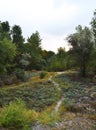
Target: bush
30	115
12	117
48	118
16	116
43	74
20	73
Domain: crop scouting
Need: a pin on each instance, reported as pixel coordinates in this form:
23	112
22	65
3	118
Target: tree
93	26
47	58
5	26
47	55
18	40
34	43
25	60
82	46
4	30
61	53
7	54
17	37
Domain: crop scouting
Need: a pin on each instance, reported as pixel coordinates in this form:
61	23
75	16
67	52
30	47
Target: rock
39	126
70	123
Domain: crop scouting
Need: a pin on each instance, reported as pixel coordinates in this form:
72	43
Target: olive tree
82	45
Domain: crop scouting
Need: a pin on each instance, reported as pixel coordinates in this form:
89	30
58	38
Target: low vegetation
36	95
43	74
17	116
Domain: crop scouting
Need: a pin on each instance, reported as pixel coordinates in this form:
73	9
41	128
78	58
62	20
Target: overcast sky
54	19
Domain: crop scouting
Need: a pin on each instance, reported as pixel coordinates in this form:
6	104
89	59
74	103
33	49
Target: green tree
18	40
82	46
93	26
4	30
61	54
34	43
7	54
17	37
47	54
47	58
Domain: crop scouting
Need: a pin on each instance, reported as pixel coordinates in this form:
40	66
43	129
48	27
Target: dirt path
71	121
39	126
57	86
58	104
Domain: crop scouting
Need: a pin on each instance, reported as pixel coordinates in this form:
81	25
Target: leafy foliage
12	116
34	43
82	46
20	73
17	37
7	53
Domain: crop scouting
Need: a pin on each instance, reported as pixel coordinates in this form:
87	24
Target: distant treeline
16	55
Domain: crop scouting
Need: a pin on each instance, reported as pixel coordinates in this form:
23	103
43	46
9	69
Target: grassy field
36	99
37	93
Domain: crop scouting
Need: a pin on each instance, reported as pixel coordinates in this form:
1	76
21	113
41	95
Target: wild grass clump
49	117
43	74
15	116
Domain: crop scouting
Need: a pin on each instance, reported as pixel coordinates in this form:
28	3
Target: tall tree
34	42
47	55
4	30
82	45
93	25
17	37
61	53
7	54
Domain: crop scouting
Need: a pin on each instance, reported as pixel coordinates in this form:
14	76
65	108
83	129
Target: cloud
52	42
54	19
41	14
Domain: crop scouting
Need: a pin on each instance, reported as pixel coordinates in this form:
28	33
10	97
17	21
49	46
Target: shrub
12	117
21	74
43	74
16	116
48	118
30	115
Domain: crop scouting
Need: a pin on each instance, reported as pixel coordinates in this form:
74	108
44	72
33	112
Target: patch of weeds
15	116
49	118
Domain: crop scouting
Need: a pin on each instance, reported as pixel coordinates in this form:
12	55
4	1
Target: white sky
54	19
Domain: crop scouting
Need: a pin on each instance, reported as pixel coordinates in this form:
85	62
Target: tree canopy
82	46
